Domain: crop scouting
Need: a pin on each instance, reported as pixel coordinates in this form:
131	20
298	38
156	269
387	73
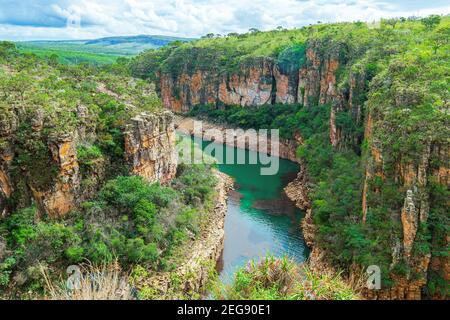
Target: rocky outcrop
2	248
5	191
317	78
410	222
298	191
201	256
149	151
61	197
150	147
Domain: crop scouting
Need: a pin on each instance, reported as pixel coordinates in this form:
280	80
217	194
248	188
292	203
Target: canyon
89	166
328	77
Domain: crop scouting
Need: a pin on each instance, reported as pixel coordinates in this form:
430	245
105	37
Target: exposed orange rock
410	221
251	86
150	147
286	86
5	185
61	197
333	128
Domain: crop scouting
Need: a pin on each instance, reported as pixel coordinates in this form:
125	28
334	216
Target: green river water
260	218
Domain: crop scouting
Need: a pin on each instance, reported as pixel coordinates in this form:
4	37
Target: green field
97	51
69	56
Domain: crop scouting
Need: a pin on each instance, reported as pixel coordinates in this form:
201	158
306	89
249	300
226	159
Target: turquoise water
260	218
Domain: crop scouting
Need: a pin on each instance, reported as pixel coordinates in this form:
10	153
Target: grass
105	282
282	279
69	56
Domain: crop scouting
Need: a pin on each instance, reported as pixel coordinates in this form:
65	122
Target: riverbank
287	148
201	254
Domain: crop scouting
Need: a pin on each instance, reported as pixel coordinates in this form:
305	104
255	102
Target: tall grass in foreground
105	282
282	279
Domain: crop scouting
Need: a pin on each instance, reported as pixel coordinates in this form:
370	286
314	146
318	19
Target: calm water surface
260	218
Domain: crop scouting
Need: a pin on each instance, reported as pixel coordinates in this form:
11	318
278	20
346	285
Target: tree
440	38
390	22
431	22
7	48
208	36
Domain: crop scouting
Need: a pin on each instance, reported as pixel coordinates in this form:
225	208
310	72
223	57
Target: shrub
86	154
281	279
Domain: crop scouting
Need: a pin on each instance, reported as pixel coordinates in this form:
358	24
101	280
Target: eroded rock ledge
287	148
150	147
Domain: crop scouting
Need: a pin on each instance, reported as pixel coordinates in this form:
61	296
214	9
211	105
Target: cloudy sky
85	19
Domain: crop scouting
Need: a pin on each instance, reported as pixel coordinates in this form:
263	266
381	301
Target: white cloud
193	18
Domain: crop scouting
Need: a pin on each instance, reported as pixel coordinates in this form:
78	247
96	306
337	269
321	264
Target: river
260	219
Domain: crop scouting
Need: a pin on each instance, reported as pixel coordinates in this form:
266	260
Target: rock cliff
331	73
150	147
149	152
258	81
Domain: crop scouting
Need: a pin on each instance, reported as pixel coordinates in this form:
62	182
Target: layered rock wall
150	147
149	150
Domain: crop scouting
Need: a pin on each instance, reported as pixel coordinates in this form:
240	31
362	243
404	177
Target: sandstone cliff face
317	78
150	152
61	197
150	147
5	184
252	85
414	177
259	81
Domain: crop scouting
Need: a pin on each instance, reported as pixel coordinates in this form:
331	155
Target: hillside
371	105
98	51
88	172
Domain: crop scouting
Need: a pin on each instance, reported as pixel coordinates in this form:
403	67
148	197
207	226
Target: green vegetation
130	221
53	100
281	279
397	72
68	56
98	51
45	103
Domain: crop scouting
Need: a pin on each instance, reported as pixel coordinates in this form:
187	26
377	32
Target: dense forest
371	103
